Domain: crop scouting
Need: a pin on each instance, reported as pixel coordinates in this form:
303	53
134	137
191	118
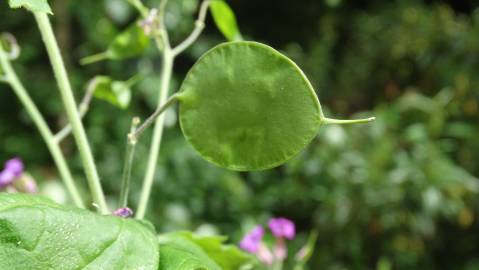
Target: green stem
130	153
82	109
151	120
71	110
199	26
167	70
94	58
58	157
161	13
134	80
343	122
161	38
169	54
139	6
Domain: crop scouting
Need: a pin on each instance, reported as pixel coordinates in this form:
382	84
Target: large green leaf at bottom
38	234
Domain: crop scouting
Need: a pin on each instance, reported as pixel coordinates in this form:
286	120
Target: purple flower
251	242
124	212
282	228
6	178
15	166
12	170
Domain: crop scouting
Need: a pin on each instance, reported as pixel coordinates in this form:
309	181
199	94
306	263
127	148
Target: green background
401	191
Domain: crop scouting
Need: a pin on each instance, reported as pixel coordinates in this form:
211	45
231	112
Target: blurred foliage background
400	193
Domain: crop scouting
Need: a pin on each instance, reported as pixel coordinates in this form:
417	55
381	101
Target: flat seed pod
244	106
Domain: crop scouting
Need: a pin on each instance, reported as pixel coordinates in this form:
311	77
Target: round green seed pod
244	106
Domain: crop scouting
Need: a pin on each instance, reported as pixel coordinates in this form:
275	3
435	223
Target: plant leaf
32	5
225	20
185	251
244	106
36	234
129	43
179	253
117	93
226	256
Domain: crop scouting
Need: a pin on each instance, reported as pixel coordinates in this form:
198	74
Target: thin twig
161	13
156	19
82	109
152	164
162	39
199	26
142	9
170	101
129	156
40	122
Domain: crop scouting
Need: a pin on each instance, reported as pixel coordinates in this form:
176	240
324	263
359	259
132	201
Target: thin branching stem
151	120
199	26
162	38
82	109
12	79
142	9
161	13
167	71
163	44
129	157
94	58
73	115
